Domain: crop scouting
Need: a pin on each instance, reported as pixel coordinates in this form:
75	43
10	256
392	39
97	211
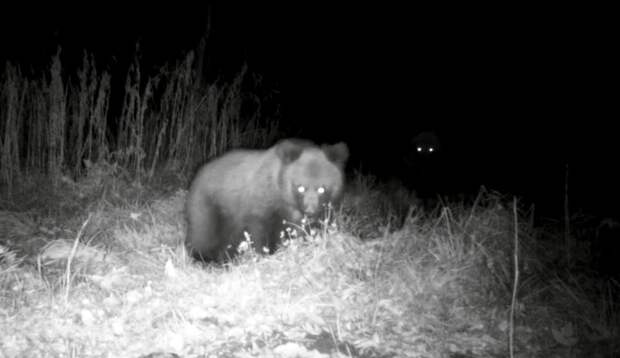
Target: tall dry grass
88	109
57	122
12	98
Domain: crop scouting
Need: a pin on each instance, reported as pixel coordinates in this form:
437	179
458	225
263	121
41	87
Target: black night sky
514	93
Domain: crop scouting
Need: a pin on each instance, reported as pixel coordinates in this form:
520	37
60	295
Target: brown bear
255	191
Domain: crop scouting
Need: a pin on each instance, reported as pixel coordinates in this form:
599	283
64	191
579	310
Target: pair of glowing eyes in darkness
429	149
302	189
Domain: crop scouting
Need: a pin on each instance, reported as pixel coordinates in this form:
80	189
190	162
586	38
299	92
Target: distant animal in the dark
423	165
426	144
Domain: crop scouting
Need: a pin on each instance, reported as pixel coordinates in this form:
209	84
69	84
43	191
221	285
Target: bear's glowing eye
419	149
431	149
320	190
301	189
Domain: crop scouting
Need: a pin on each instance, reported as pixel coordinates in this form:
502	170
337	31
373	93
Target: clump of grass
437	285
468	251
371	207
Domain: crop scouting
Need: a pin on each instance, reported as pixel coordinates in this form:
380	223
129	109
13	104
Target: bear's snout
311	204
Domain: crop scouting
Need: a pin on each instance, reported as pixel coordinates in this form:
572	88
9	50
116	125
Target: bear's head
311	177
426	144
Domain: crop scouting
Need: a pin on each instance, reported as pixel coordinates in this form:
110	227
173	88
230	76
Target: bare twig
71	256
516	280
567	240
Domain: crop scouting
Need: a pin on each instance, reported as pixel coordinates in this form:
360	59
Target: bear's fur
253	191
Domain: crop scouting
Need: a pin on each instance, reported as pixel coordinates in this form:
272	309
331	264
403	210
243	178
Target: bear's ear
337	153
288	151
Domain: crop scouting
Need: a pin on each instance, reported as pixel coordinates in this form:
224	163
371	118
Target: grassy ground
97	269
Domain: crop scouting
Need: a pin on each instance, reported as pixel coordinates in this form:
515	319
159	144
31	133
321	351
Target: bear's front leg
264	233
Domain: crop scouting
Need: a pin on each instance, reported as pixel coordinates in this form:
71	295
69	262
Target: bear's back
225	169
235	178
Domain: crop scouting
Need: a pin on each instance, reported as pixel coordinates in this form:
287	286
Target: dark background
515	93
